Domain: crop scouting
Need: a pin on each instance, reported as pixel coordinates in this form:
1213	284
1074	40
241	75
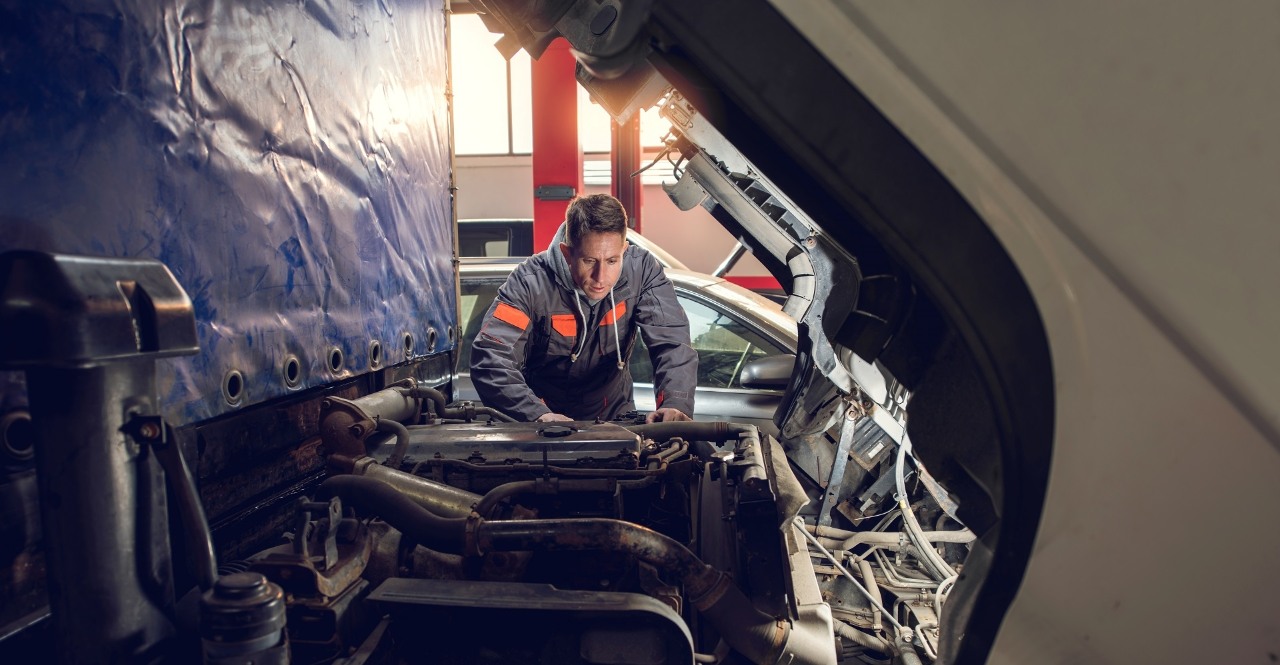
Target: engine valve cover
557	444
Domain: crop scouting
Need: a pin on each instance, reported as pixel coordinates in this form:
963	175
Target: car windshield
724	345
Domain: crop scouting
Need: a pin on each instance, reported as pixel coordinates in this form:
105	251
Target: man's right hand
554	418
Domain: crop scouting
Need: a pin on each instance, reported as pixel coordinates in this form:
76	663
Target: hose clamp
471	543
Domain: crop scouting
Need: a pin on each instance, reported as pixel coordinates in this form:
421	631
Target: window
724	346
492	103
493	100
484	241
477	296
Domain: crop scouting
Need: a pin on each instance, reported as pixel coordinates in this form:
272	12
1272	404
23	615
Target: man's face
596	262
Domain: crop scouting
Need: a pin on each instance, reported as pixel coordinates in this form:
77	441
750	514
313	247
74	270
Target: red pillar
557	154
624	159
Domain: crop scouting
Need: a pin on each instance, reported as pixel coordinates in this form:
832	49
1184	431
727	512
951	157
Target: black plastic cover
529	443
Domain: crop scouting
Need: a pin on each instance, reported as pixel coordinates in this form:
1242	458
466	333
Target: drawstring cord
617	346
582	339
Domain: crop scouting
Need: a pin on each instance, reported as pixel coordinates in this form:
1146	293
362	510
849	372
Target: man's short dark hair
597	213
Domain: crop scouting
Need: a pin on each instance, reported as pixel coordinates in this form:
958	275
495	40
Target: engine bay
446	534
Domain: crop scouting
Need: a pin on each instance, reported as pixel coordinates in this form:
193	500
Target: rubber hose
436	397
491	499
493	413
402	440
862	639
750	632
438	402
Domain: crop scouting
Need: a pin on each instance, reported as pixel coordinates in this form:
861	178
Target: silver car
732	329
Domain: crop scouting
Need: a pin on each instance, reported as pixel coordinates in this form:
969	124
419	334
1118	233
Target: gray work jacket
521	360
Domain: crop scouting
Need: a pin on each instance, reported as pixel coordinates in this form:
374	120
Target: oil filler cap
556	431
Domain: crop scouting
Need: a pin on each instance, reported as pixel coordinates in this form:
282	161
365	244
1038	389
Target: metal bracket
554	192
155	433
831	488
301	545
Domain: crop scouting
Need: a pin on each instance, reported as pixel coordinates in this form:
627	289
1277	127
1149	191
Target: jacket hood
560	266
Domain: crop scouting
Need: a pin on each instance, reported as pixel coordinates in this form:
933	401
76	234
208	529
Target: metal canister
242	620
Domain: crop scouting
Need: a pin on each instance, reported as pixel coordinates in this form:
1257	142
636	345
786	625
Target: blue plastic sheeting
289	162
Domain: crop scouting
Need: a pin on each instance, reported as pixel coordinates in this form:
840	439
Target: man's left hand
666	416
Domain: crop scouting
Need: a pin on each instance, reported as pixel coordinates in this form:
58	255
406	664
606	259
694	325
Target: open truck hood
907	303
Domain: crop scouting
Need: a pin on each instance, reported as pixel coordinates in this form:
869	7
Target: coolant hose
718	430
443	534
438	401
402	440
437	398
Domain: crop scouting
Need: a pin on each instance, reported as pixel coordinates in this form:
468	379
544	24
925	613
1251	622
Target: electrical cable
654	162
843	571
939	597
929	557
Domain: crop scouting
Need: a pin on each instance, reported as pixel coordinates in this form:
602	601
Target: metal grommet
431	340
17	436
233	388
335	360
453	334
408	344
375	354
291	370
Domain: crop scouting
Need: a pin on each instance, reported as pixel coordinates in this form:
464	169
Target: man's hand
551	417
666	416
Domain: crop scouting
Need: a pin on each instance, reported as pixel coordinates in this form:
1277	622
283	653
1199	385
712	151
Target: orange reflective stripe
615	314
509	314
565	324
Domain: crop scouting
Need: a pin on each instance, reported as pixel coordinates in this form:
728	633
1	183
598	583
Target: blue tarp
289	162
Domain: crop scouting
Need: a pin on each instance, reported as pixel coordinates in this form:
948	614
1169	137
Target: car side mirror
769	372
